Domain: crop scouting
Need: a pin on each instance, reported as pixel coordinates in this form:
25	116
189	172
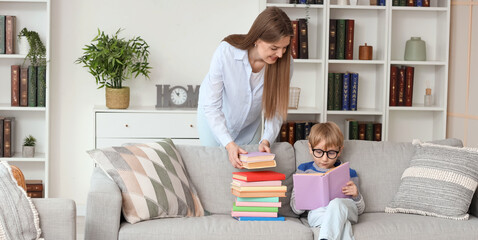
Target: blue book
354	91
346	92
381	3
257	199
280	218
419	3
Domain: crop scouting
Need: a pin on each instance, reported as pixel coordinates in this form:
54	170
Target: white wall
182	36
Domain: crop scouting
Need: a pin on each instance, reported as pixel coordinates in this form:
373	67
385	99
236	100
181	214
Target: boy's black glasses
331	154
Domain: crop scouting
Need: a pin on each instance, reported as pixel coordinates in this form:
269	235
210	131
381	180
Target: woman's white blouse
232	108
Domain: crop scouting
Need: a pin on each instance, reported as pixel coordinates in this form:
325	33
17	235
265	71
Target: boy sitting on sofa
326	142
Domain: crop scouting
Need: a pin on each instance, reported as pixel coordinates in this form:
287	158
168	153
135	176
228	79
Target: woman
248	74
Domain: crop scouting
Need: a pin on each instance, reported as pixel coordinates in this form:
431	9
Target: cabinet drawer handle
126	125
191	125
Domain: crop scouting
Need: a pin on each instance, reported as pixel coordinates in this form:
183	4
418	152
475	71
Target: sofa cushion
379	226
152	180
379	166
211	173
212	227
440	182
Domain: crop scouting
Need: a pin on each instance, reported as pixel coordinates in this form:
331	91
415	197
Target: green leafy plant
112	60
37	52
29	141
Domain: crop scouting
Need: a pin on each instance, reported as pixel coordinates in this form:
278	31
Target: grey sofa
379	165
57	218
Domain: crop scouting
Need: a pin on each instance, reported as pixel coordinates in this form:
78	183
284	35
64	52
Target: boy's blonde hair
327	132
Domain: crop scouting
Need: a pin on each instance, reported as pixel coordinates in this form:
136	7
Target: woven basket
294	95
18	175
117	98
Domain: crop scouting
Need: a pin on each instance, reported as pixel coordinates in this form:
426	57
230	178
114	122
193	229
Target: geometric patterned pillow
152	180
439	182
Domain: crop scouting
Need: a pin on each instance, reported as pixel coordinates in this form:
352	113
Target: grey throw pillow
439	182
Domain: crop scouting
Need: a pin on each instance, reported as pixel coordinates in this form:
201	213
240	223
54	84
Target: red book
24	86
15	97
303	39
349	39
409	86
393	86
284	133
291	134
10	33
401	87
294	46
258	176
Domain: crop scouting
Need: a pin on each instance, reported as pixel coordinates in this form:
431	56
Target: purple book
313	190
256	157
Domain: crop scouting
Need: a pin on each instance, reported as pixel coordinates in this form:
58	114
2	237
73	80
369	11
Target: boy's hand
350	189
233	151
265	146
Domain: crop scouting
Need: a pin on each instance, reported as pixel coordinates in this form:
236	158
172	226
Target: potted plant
28	149
35	49
112	60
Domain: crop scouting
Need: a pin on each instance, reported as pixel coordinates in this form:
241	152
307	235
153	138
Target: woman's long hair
270	26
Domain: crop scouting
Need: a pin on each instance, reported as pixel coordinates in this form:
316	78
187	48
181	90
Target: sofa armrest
57	217
103	208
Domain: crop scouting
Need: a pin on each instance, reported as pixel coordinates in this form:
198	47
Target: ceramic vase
23	46
415	50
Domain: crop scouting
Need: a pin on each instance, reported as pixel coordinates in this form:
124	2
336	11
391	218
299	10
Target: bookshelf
386	28
34	15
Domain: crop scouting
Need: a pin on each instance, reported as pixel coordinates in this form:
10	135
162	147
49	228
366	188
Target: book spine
382	3
354	130
295	39
411	3
15	81
369	131
346	92
396	3
41	88
338	78
1	137
409	86
361	131
330	92
349	39
332	38
32	86
401	87
373	2
23	86
291	127
393	86
340	46
284	133
7	137
2	34
426	3
10	34
403	3
419	3
299	131
303	39
354	81
377	129
35	194
34	187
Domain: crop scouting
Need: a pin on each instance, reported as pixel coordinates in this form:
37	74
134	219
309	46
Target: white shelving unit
34	15
386	28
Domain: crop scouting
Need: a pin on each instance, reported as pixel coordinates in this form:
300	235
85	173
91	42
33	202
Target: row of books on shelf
378	2
401	85
28	85
257	195
34	188
342	91
7	130
341	39
355	130
300	42
292	131
306	1
411	3
7	34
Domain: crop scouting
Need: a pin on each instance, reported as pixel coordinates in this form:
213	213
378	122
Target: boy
326	142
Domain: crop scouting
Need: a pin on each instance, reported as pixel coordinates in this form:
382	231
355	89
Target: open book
314	190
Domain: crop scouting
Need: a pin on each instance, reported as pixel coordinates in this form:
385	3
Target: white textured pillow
439	182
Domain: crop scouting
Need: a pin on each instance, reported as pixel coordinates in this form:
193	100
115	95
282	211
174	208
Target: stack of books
255	160
257	195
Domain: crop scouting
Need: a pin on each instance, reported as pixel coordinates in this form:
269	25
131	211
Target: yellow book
260	189
255	165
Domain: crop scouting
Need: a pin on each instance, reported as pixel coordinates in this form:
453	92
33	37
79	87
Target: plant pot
23	45
117	98
28	151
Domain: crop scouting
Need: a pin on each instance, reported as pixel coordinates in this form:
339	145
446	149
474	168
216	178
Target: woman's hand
350	189
233	151
265	146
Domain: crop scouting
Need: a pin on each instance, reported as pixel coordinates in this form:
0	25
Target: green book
2	34
369	131
32	86
338	84
354	132
340	46
403	2
396	3
41	88
257	199
254	209
330	92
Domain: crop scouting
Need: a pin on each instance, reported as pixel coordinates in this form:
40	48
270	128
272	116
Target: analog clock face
179	95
